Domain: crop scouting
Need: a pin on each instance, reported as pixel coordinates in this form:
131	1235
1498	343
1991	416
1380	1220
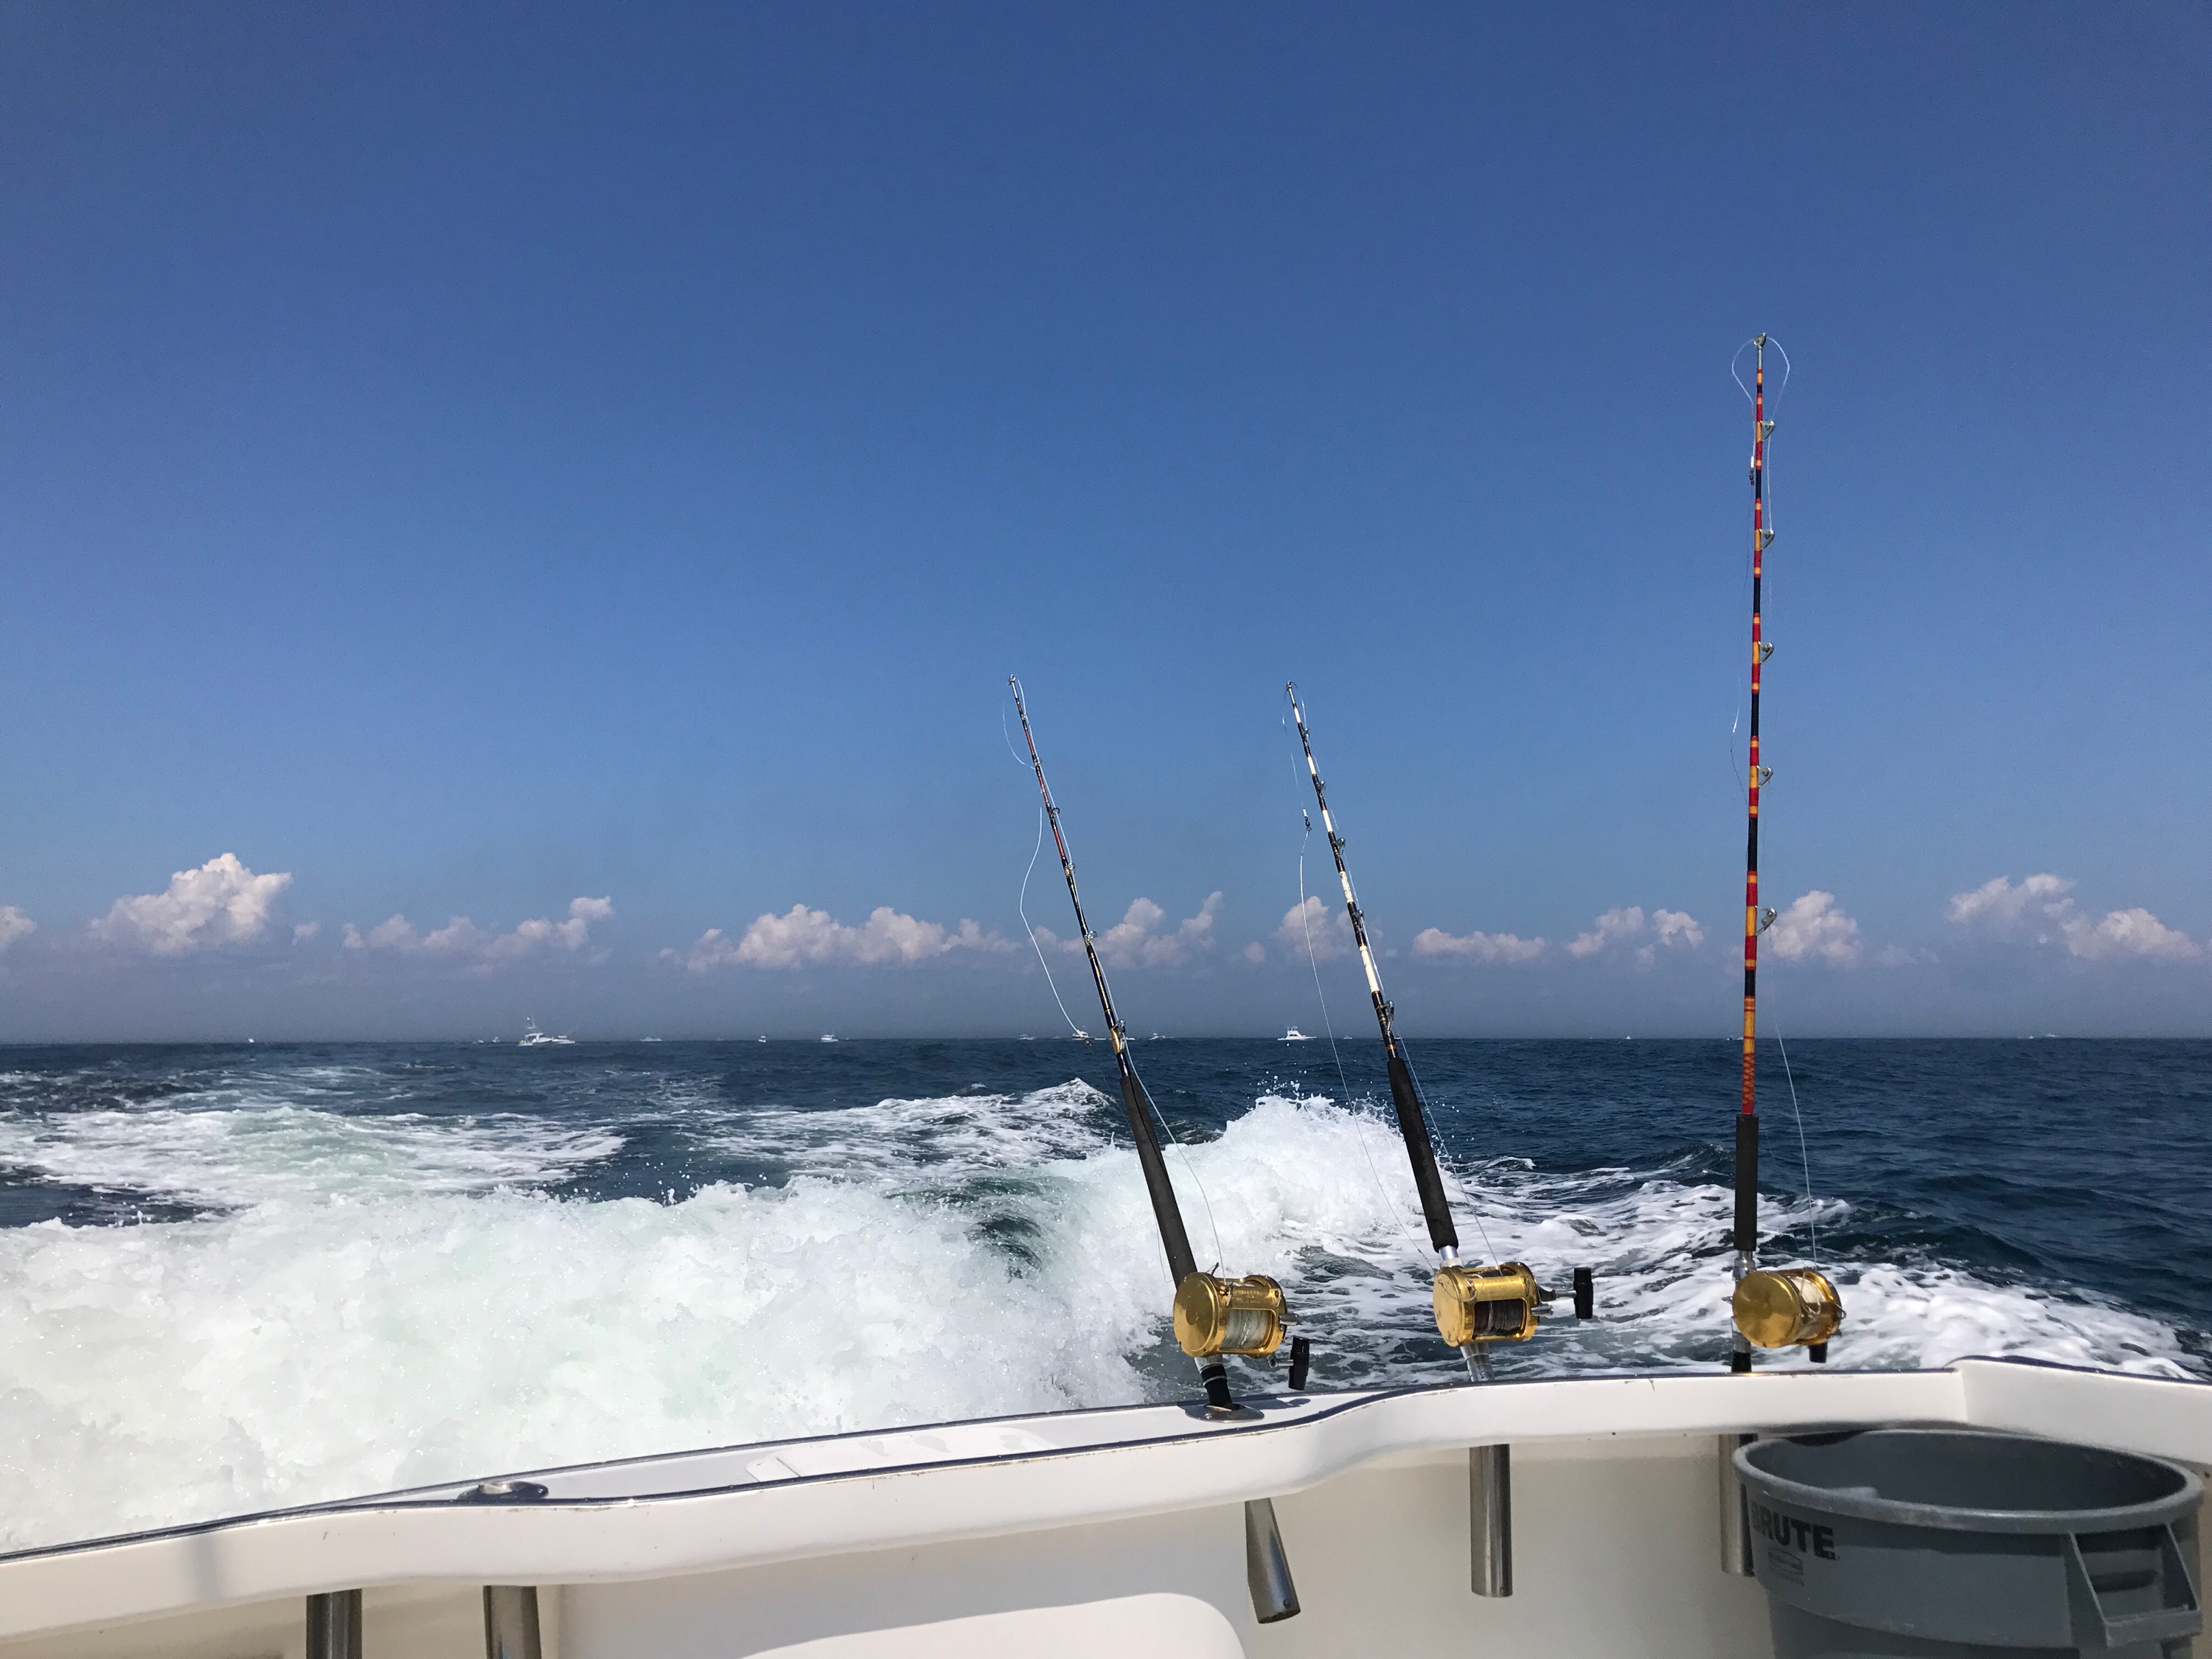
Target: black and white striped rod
1413	1122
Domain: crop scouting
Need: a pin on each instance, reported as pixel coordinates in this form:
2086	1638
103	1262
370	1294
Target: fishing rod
1214	1315
1474	1305
1799	1307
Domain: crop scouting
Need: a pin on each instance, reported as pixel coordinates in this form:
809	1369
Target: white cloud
1328	928
804	938
395	934
1255	951
712	949
1812	927
2134	932
1614	927
1477	947
461	940
306	931
2008	911
2043	905
1621	929
14	924
221	902
1134	942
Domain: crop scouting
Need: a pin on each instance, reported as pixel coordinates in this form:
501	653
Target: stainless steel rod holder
511	1622
334	1625
1489	1519
1266	1568
1734	1513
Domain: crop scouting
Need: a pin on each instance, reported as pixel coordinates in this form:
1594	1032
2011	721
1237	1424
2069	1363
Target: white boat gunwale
1299	1442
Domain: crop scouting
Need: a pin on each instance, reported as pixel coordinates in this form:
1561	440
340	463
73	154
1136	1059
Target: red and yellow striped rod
1747	1122
1760	538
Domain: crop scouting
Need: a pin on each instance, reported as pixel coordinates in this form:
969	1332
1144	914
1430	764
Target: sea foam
376	1302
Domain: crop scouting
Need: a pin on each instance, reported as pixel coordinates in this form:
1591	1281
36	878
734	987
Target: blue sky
590	471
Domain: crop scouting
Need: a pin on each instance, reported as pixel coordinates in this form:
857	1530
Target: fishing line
1428	1125
1021	902
1734	375
1406	1052
1343	1083
1774	397
1804	1157
1188	1168
1313	966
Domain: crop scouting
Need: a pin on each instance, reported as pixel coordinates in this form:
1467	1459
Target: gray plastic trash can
1953	1544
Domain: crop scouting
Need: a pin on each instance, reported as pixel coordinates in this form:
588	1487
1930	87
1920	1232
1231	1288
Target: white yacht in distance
531	1037
829	1037
1294	1035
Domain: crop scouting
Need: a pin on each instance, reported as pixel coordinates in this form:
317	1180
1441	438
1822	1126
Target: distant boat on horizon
1294	1035
826	1036
531	1037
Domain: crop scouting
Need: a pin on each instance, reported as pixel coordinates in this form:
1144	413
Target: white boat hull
1105	1531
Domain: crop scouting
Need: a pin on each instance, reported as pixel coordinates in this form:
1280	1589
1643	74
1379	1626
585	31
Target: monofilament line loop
1143	1115
1804	1157
1022	900
1343	1083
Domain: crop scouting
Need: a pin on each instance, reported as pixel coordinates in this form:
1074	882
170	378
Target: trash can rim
2158	1511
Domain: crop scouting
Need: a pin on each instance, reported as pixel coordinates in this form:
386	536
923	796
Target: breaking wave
353	1301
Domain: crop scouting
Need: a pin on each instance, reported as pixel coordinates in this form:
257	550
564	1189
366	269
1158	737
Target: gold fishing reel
1787	1308
1487	1304
1216	1316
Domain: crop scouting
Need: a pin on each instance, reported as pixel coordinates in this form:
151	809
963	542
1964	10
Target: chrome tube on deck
1735	1511
334	1625
1489	1519
511	1622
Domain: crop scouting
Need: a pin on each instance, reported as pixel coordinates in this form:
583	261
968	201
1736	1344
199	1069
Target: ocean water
238	1278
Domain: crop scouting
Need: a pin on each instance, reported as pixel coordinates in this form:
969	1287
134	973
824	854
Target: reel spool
1487	1304
1215	1316
1787	1308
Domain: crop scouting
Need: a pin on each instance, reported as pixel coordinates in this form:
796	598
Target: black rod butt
1747	1183
1215	1376
1585	1293
1301	1362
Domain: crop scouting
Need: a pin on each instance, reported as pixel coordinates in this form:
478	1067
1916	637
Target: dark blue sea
235	1277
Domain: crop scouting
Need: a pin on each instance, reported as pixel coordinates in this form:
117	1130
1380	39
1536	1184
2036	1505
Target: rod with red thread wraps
1754	920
